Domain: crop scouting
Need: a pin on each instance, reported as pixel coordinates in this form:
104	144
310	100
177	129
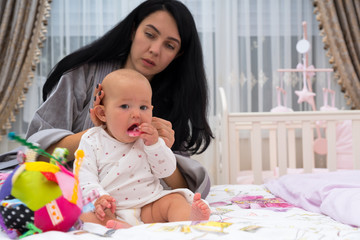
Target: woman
159	39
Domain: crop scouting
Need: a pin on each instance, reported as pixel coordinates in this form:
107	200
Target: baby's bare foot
199	209
116	224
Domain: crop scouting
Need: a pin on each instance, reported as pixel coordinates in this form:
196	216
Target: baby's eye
124	106
143	107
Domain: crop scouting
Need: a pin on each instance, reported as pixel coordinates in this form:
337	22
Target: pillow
336	194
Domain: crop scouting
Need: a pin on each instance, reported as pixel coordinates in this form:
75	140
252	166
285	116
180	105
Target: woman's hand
165	130
98	96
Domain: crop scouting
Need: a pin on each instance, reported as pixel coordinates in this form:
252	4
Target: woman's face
155	44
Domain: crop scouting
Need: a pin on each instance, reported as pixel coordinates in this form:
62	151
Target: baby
125	158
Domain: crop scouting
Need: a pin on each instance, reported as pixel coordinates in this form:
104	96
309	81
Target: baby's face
127	105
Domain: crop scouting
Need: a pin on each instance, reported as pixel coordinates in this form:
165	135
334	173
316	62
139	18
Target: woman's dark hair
180	93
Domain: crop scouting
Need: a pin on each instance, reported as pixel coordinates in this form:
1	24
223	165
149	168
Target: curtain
244	43
252	40
22	32
340	25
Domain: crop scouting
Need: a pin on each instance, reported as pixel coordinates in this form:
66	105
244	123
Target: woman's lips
148	62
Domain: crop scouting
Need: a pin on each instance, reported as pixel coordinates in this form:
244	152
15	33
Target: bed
298	202
238	212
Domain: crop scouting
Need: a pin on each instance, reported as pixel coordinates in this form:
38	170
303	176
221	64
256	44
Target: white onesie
129	172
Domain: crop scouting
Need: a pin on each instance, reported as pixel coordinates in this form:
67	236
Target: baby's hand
102	203
148	133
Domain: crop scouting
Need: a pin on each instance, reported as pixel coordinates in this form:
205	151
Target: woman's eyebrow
158	32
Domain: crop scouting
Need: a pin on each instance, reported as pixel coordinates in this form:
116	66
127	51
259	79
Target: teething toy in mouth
133	131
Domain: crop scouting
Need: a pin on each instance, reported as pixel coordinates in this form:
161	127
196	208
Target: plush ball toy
41	194
39	197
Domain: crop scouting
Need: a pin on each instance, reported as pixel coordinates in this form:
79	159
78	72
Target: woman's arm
71	142
176	180
63	118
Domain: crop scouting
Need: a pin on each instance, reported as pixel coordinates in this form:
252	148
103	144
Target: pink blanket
336	194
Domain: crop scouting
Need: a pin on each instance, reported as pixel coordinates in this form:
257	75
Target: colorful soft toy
39	197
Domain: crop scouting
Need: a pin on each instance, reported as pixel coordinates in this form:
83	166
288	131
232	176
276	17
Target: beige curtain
22	32
340	26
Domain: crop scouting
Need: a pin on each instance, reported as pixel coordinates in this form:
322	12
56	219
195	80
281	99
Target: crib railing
282	130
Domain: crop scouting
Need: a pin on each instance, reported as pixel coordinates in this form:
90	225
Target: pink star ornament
305	96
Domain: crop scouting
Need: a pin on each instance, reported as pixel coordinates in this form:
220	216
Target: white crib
282	131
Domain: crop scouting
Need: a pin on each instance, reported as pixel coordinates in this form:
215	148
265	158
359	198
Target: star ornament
305	96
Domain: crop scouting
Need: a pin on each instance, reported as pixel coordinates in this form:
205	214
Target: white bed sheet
238	212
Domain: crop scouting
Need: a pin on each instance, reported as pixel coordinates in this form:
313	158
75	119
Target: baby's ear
100	112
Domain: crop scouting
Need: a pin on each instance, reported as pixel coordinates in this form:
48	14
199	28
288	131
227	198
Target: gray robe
66	111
